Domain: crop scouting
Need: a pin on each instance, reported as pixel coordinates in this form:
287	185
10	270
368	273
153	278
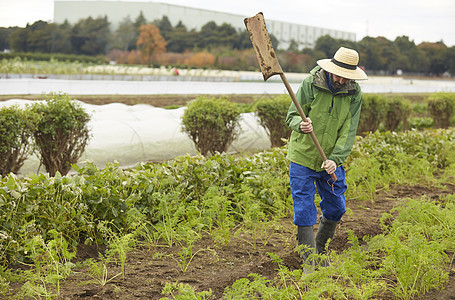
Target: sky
420	20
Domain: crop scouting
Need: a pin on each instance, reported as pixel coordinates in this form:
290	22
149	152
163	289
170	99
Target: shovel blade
267	59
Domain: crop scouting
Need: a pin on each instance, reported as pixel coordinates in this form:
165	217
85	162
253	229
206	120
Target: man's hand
330	166
306	127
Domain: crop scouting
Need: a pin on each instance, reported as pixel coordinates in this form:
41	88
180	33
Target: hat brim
329	66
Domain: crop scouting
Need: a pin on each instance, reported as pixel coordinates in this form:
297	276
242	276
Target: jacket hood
320	82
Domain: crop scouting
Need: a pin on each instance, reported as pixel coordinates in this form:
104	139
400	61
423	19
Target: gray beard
337	85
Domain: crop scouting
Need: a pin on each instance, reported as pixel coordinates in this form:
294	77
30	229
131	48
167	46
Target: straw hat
344	63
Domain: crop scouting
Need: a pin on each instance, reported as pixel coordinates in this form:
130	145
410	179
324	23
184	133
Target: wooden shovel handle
302	115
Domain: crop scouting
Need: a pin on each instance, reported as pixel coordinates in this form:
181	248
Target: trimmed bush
16	126
441	108
373	112
397	111
62	132
272	116
212	124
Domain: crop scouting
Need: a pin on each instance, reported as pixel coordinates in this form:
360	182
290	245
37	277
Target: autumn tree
150	41
201	59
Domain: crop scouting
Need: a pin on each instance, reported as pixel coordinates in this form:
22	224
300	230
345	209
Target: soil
216	267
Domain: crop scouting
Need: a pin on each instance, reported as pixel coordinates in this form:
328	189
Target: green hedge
61	132
272	116
372	114
16	132
397	112
212	124
57	128
441	107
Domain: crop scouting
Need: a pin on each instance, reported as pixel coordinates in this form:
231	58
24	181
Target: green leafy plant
380	159
254	222
97	270
119	244
416	243
216	215
420	122
6	277
217	195
167	226
51	263
108	193
418	265
182	291
187	254
407	260
35	206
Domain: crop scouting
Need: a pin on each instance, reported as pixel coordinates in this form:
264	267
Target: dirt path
218	266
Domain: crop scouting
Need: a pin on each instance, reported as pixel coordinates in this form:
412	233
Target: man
331	99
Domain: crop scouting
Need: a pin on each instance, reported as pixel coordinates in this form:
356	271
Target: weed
98	271
181	291
169	221
118	244
52	263
5	276
186	253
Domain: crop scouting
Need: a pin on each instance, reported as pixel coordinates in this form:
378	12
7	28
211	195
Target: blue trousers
303	188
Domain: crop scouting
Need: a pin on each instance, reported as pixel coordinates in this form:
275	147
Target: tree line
158	42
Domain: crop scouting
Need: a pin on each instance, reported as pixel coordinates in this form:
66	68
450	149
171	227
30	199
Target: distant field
171	100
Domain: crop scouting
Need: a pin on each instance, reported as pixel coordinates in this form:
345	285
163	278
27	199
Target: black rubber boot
305	236
326	231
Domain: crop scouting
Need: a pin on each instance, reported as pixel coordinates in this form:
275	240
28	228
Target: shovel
268	62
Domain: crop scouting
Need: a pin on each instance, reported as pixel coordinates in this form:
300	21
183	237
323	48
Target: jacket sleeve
347	133
304	96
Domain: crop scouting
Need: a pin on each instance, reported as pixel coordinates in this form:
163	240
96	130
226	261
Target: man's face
338	82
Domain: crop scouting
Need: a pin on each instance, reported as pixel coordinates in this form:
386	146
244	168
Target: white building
192	18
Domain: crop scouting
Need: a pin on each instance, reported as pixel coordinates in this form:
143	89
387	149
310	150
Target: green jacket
335	118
